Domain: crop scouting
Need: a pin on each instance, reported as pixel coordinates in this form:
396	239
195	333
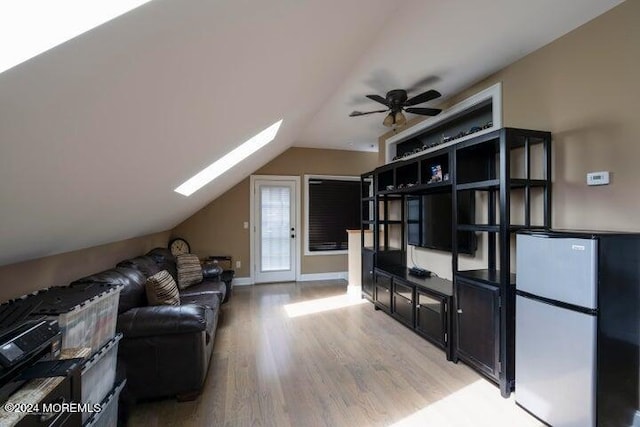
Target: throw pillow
189	270
162	289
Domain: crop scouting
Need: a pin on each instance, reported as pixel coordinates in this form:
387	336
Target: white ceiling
96	133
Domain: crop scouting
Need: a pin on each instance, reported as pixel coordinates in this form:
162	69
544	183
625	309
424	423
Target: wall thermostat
598	178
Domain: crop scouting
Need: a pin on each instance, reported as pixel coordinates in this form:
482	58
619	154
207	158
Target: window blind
334	207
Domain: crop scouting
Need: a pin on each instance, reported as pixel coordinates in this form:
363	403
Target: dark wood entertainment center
472	318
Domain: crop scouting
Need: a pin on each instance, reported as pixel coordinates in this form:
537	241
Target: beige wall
584	88
25	277
217	229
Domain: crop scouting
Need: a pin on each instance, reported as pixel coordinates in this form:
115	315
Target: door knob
459	311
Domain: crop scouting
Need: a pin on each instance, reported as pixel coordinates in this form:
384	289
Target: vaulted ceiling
96	133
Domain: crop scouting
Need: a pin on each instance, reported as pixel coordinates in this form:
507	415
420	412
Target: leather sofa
165	350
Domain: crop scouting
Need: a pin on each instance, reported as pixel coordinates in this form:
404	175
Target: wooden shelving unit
485	298
499	165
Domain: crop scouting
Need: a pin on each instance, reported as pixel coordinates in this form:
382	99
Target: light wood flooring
283	357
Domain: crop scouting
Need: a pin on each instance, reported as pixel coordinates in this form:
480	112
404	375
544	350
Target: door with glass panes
275	230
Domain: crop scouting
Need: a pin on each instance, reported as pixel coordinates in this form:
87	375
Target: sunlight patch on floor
473	406
322	304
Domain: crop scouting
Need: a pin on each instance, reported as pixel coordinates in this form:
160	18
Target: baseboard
242	281
323	276
336	275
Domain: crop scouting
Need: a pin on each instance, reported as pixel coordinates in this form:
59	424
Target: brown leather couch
165	350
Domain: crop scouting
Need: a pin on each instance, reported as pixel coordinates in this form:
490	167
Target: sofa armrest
164	320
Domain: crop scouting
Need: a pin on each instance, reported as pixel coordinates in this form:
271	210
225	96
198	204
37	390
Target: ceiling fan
396	100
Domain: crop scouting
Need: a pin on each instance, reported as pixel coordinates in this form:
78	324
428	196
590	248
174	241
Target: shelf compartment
434	170
478	163
385	179
407	173
484	276
386	259
519	136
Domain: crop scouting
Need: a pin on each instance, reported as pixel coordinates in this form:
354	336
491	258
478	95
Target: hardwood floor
283	357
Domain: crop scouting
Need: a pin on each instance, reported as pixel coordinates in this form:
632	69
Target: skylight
228	161
30	27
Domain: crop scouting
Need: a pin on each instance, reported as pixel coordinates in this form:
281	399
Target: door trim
252	219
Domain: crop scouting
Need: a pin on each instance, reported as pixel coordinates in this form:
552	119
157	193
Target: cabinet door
477	323
367	273
431	317
403	302
383	291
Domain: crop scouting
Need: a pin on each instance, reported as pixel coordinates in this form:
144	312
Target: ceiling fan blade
423	97
360	113
379	99
424	111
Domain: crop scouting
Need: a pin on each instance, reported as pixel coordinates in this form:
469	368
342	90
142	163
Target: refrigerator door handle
555	303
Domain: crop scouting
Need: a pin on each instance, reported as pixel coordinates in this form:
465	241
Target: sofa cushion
162	289
165	260
167	320
145	264
189	270
207	286
133	293
161	255
207	299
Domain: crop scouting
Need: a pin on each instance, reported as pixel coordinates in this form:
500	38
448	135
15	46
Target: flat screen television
429	221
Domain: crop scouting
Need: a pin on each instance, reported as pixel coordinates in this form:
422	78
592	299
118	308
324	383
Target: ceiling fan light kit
396	100
389	120
400	119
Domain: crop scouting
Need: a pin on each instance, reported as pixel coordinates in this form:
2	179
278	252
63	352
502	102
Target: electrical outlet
598	178
238	264
245	225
